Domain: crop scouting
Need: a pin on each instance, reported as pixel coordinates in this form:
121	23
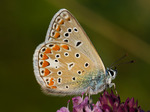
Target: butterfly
66	63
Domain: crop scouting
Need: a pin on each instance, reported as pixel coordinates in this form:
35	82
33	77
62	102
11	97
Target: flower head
112	102
107	102
83	105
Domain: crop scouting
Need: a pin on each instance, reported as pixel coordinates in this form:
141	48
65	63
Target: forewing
65	28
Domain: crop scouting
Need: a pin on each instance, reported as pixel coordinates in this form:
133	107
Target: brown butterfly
66	63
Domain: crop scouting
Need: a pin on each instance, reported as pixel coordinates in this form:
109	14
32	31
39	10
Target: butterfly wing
66	62
61	24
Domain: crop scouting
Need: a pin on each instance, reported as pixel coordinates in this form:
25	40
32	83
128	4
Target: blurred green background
115	27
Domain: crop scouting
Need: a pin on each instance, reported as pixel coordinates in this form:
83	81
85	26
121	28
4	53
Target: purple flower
77	100
97	107
112	102
63	109
83	105
108	102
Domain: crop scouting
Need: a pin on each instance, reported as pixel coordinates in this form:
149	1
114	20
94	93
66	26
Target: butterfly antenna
112	65
132	61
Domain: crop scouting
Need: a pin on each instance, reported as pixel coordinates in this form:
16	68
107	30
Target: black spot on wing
78	43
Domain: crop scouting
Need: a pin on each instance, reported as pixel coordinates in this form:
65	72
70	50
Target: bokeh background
115	27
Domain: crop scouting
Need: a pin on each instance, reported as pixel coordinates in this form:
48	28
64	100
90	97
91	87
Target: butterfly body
67	63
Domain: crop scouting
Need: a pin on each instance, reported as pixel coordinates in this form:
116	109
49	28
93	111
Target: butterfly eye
77	55
112	73
86	64
75	29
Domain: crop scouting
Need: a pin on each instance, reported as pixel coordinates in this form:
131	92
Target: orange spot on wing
58	28
46	72
56	35
61	21
45	64
56	48
45	57
48	50
65	46
51	79
51	82
53	87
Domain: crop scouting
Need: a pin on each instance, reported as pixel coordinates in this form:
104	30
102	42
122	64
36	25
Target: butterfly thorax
102	80
98	83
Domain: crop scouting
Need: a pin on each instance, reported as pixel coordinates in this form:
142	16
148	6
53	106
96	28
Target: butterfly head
111	75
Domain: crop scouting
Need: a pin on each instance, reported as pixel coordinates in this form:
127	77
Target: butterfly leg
88	91
90	100
113	84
